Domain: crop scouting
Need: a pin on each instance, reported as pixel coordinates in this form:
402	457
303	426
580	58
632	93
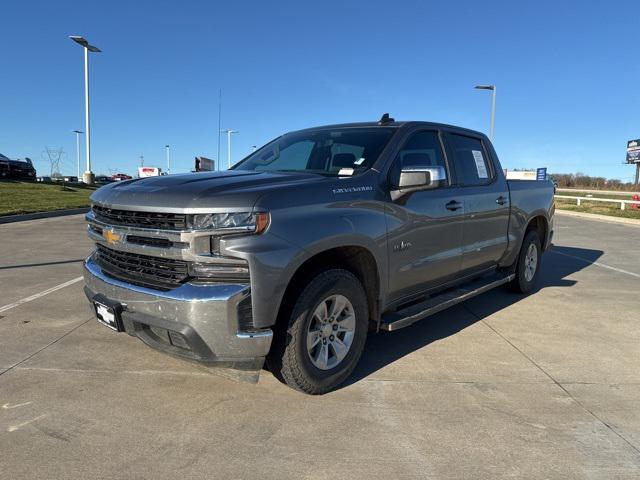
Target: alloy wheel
331	331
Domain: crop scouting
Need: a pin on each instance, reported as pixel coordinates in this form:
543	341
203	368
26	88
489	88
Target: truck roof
396	124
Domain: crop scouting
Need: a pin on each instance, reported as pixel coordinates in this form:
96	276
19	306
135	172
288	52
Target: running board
448	298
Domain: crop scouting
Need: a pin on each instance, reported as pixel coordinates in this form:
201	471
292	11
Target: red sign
148	172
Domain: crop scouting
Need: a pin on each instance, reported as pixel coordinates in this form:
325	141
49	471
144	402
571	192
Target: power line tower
54	155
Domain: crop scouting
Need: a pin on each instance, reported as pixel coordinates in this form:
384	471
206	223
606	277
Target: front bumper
195	322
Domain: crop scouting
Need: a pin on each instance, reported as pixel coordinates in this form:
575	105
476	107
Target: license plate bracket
108	313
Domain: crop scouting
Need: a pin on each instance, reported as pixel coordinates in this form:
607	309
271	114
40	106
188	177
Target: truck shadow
385	348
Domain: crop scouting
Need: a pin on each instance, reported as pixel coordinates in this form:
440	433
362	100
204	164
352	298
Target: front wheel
527	264
325	336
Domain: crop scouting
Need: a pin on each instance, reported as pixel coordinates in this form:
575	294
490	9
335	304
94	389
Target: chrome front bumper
196	322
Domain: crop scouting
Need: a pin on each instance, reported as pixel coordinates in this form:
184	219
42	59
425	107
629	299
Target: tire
526	279
306	368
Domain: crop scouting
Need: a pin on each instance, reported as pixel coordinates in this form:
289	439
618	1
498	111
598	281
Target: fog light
177	340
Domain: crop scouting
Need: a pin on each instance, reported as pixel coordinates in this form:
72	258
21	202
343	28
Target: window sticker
481	167
345	171
360	161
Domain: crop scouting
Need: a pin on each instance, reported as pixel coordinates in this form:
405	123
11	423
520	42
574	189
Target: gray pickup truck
309	243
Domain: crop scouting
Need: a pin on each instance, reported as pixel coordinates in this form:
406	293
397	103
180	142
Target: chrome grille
142	270
130	218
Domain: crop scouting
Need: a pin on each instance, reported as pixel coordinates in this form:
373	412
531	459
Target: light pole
168	159
88	176
493	105
78	132
228	132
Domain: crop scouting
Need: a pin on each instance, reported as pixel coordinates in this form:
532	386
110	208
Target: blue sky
567	76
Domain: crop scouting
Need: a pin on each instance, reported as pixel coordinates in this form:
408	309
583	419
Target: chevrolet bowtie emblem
110	236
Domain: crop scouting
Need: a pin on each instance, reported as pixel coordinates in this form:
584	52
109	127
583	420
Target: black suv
16	169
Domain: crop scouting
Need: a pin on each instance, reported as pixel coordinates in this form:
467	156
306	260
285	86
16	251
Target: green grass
29	197
601	208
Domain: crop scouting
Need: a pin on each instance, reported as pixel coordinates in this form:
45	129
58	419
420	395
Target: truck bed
531	195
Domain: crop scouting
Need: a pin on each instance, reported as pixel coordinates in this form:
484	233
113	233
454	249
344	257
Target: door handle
453	205
501	200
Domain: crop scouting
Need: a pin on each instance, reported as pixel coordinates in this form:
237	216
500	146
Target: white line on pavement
20	425
7	406
619	270
38	295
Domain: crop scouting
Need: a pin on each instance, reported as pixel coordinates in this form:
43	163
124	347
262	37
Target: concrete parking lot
543	386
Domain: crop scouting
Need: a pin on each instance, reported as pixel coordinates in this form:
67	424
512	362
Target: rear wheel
527	264
325	335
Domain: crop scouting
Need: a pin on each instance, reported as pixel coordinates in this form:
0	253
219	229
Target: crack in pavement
558	384
45	347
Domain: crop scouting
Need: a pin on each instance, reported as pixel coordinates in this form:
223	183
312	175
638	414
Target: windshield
339	151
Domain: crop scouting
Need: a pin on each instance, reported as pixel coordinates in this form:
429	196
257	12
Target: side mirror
414	179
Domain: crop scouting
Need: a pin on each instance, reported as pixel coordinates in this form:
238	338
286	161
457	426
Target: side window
421	150
470	159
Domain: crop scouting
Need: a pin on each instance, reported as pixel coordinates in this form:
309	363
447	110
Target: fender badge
363	188
402	246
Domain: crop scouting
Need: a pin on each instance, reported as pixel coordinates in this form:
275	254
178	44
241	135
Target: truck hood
197	192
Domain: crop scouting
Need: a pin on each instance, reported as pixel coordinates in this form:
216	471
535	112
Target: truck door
486	202
424	227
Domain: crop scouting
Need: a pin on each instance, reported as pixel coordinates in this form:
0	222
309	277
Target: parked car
16	169
103	179
312	241
64	178
121	176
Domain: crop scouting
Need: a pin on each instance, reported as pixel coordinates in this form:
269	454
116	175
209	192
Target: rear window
470	159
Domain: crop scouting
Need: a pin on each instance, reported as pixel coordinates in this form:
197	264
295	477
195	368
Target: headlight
230	222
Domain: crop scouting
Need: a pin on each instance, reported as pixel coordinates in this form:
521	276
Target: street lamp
493	105
78	132
168	159
88	176
228	132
